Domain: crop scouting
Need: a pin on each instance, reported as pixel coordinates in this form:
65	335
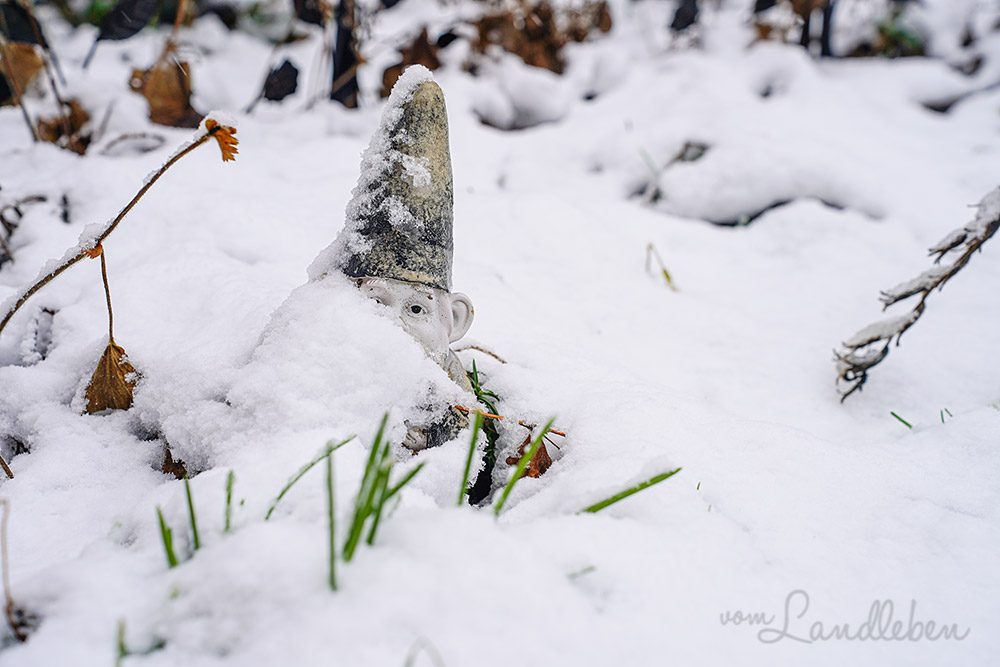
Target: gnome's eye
416	310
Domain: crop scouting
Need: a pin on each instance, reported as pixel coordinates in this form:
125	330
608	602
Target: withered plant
112	381
870	346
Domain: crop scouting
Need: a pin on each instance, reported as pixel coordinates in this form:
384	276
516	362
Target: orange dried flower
226	136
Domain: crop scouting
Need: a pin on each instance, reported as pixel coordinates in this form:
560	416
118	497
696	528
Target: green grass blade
632	490
365	500
330	447
522	464
403	482
378	502
230	480
902	421
196	539
167	536
331	522
121	649
463	490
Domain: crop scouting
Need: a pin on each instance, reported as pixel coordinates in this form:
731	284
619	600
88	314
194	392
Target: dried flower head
226	136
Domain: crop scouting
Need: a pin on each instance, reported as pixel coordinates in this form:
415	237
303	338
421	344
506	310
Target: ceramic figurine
397	241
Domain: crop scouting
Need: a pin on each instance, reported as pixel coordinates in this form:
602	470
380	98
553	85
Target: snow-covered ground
247	367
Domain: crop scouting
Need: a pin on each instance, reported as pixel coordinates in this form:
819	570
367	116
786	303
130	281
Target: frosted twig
209	130
868	347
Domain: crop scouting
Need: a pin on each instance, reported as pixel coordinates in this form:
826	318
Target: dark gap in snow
745	219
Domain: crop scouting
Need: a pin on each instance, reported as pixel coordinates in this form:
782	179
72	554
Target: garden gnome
397	241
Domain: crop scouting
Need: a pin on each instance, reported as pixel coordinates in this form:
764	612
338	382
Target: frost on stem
869	346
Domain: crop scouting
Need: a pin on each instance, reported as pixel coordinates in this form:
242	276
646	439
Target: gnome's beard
433	317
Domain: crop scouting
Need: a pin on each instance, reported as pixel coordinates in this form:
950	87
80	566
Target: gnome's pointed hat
399	221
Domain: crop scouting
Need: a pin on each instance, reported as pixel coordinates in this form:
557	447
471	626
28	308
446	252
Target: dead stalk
490	415
107	296
85	252
15	89
9	606
484	350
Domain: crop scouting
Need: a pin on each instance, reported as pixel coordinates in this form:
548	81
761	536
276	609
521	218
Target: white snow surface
247	365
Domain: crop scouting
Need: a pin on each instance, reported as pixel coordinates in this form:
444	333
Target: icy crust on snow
329	359
377	162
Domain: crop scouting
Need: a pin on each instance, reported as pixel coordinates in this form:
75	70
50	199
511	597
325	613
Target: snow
250	364
881	330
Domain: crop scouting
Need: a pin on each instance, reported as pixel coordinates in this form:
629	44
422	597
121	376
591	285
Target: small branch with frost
210	129
868	347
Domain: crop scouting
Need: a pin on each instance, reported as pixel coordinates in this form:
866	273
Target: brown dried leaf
226	136
67	129
113	381
25	64
172	467
420	52
167	88
95	252
539	463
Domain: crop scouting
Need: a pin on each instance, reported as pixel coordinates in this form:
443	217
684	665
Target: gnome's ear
461	316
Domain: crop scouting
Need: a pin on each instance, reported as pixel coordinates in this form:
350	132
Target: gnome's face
432	316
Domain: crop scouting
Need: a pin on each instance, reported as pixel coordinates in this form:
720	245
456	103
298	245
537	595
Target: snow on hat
399	220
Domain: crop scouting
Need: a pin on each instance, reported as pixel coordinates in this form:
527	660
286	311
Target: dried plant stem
179	17
15	89
84	252
651	254
854	362
479	348
490	415
36	28
107	297
10	473
9	606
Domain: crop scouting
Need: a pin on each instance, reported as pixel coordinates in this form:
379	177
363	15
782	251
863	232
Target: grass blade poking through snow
521	465
195	538
375	491
230	480
366	493
330	448
167	536
393	490
632	490
331	521
463	490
